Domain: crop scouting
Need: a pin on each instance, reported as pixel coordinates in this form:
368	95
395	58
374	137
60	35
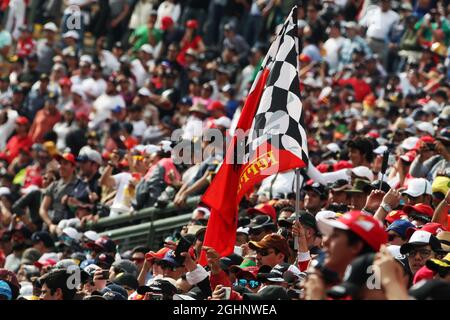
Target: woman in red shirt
190	41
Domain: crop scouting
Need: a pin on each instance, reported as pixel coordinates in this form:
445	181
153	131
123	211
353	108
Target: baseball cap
400	226
47	259
444	238
409	156
409	143
375	185
103	244
438	265
43	236
50	26
279	271
272	240
261	221
420	211
127	280
360	186
363	172
126	266
271	292
230	260
30	256
114	292
318	188
441	184
250	271
444	134
425	127
395	215
264	209
67	157
159	255
433	289
186	101
192	24
71	34
169	257
419	238
22	120
91	235
365	226
72	233
215	105
89	154
418	187
104	261
165	286
166	23
340	185
355	277
146	48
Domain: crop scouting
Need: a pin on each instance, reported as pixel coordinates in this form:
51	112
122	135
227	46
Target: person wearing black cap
42	241
260	226
55	286
316	197
362	280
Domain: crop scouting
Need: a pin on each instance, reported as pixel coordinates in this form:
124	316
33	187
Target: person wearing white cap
46	48
425	128
418	191
139	65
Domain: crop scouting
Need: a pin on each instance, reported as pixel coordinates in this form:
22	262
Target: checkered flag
278	119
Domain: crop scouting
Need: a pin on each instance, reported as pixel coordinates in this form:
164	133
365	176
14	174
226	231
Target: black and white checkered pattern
279	117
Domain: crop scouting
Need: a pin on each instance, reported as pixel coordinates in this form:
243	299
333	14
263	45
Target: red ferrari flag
269	138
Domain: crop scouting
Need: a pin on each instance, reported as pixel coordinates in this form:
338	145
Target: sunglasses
137	260
264	252
424	253
253	284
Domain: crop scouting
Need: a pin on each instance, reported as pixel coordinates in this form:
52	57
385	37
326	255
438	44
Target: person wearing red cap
19	141
348	237
54	203
419	214
191	40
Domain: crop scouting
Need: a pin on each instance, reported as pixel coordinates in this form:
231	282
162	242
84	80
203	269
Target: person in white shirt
333	45
195	123
139	66
105	103
379	22
7	125
16	17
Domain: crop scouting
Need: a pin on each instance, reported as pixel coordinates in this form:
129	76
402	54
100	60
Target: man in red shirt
361	87
19	141
25	44
45	119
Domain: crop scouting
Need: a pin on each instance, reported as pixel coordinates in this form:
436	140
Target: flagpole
297	202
